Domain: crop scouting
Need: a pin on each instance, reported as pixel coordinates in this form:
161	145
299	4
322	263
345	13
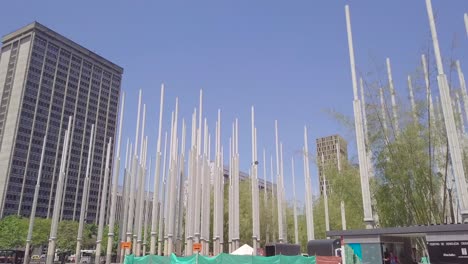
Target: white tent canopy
243	250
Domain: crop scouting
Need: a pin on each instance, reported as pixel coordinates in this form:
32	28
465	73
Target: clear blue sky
288	58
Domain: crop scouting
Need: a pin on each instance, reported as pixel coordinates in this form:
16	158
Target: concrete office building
44	79
334	149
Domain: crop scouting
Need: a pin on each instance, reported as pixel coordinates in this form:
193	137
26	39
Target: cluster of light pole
178	193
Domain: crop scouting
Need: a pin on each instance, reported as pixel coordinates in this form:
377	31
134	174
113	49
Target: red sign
196	247
126	245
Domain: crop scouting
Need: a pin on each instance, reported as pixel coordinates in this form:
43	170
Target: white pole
34	205
141	189
279	187
454	145
363	166
283	201
147	207
134	178
413	103
125	201
84	198
296	232
218	185
325	196
273	213
461	78
157	176
308	188
392	96
162	201
255	220
58	197
173	182
137	124
103	203
167	196
140	199
236	185
342	205
363	106
231	197
181	188
189	216
460	113
366	136
115	179
265	198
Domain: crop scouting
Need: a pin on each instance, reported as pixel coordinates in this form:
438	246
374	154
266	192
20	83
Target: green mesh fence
222	258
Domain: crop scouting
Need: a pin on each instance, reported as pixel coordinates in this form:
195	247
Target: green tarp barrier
222	258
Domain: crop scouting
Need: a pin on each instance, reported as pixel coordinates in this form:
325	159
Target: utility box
324	247
282	249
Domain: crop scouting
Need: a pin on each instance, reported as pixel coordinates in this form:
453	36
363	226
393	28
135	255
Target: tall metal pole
236	236
34	205
273	211
125	201
363	166
189	216
460	114
254	178
206	186
230	199
141	189
162	201
296	232
392	96
157	176
181	188
198	177
461	79
218	186
454	144
84	197
173	181
325	196
115	182
134	178
308	188
279	188
342	205
147	207
58	197
283	200
103	203
265	199
141	202
366	134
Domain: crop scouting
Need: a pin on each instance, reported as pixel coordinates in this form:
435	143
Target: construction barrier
221	259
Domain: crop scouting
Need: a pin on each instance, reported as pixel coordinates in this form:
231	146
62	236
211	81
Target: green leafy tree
66	236
13	232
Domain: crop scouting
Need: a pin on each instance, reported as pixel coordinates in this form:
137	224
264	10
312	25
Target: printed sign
448	251
196	247
126	245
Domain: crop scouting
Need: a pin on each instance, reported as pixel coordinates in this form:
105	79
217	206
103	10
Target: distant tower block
327	146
